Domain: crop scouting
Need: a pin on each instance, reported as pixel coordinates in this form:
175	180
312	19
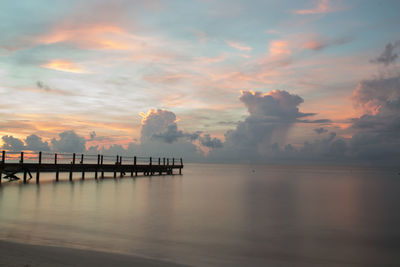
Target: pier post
173	162
21	160
97	167
151	168
132	168
159	166
115	168
38	169
164	161
134	165
83	168
180	169
72	166
55	163
167	161
102	171
3	160
121	174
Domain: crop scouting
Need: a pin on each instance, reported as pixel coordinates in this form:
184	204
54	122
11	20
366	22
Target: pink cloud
323	6
279	48
239	46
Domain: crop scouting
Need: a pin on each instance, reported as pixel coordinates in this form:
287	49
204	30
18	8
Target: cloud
377	131
155	122
207	141
64	65
319	44
92	135
389	55
172	134
320	130
255	139
68	141
35	143
239	46
275	105
378	96
11	143
46	88
279	48
323	6
161	125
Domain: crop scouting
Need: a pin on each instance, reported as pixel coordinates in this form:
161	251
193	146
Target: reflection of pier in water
27	163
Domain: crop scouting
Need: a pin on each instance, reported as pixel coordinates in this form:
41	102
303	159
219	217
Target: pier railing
26	162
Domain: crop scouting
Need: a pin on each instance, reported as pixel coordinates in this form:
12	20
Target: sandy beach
17	254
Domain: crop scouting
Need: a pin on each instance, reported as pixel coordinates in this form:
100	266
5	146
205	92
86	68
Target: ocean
218	215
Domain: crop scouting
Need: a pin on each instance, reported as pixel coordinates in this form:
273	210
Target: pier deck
29	163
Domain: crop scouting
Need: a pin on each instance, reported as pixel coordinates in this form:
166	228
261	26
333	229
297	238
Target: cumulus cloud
68	141
274	105
35	143
155	122
161	125
258	137
389	55
12	144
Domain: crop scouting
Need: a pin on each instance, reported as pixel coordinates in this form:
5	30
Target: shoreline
19	254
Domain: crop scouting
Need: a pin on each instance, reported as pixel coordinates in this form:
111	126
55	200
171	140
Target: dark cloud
389	55
48	89
207	141
172	134
12	144
68	141
35	143
320	130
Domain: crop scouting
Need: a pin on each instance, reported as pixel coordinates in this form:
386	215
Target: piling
21	161
72	165
38	168
3	161
115	168
55	163
134	165
97	167
102	171
83	170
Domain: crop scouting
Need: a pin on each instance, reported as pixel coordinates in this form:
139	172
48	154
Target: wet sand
17	254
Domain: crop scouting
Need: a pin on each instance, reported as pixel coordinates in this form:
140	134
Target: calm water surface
218	215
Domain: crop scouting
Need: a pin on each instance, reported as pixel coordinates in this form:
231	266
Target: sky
209	80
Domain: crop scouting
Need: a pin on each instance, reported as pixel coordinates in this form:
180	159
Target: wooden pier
31	164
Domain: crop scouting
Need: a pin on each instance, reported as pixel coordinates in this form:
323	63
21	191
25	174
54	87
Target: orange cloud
68	34
107	37
239	46
322	7
64	65
279	48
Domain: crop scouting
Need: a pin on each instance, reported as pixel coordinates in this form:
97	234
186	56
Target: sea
217	215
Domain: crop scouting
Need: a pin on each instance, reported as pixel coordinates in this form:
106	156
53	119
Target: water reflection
219	215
